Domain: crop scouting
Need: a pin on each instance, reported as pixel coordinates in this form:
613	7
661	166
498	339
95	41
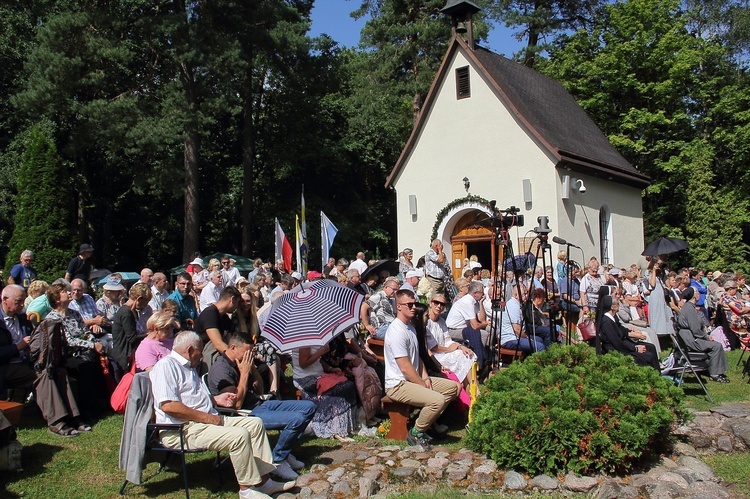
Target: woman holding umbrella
332	392
659	311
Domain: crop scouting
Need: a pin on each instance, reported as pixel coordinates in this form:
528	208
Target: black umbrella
665	246
389	264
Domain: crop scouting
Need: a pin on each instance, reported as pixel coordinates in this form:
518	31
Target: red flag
283	248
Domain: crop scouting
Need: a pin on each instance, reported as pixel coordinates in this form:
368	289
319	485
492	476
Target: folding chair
695	362
133	449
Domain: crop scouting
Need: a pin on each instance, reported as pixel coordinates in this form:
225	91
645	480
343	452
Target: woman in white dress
453	356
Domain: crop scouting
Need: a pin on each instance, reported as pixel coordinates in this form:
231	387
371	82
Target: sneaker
284	471
415	437
295	463
253	494
271	487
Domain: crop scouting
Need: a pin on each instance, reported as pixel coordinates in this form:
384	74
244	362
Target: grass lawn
87	466
736	391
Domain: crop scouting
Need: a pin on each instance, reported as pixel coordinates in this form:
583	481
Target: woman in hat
200	276
111	300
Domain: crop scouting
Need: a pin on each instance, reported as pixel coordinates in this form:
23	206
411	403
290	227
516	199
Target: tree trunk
248	162
192	205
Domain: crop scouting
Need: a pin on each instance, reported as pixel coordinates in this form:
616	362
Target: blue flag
328	232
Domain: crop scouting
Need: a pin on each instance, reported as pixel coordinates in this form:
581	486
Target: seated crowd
202	344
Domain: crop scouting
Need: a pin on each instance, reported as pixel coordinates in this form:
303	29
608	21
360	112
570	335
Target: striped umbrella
310	315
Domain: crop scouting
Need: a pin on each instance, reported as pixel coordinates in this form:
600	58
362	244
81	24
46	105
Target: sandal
63	430
80	426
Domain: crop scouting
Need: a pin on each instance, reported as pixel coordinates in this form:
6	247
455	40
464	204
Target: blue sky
332	17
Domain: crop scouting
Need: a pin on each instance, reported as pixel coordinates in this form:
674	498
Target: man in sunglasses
406	378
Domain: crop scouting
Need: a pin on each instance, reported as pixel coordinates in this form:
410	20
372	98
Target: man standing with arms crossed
406	378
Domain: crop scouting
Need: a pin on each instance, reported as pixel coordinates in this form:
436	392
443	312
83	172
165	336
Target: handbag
587	327
119	398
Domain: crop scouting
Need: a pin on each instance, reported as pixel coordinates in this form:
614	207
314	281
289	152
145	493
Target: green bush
570	409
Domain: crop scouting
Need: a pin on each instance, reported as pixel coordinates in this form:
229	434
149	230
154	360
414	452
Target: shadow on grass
34	459
200	472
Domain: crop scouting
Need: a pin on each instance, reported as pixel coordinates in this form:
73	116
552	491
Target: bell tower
461	12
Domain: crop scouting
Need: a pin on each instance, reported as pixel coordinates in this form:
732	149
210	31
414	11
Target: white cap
198	261
414	273
297	276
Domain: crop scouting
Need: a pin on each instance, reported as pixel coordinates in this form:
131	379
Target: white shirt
299	372
511	315
229	276
157	298
209	295
462	311
437	334
173	380
401	341
359	265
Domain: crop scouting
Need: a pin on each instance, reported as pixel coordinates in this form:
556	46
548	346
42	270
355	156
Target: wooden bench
510	354
399	415
12	411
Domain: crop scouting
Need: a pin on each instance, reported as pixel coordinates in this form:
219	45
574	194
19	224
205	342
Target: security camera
581	187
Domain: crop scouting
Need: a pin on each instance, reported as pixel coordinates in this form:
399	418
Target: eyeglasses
225	263
438	303
409	304
729	288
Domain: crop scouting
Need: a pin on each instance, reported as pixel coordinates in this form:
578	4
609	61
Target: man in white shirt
229	273
467	320
406	378
147	276
211	292
180	397
159	291
360	263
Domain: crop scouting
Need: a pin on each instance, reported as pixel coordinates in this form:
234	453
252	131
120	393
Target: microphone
560	240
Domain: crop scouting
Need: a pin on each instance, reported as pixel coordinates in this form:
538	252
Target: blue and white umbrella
310	315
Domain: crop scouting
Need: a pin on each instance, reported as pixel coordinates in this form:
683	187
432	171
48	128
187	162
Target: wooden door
468	230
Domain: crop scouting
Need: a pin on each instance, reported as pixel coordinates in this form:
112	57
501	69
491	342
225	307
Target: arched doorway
471	236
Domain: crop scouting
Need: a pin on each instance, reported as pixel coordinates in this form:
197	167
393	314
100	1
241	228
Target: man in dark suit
15	332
